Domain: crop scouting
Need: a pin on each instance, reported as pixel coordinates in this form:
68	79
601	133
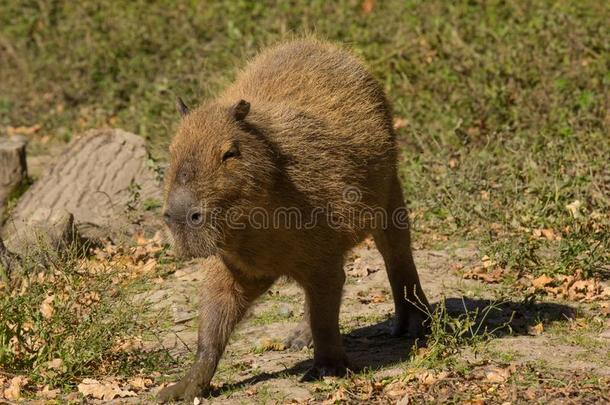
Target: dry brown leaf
128	344
106	391
55	364
395	389
574	208
497	375
46	308
430	377
487	262
361	268
368	6
536	329
474	401
483	274
541	282
148	266
48	393
267	344
379	296
140	383
340	395
400	122
22	130
372	296
139	238
406	400
549	234
13	392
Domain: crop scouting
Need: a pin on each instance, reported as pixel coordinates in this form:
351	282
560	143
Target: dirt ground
256	367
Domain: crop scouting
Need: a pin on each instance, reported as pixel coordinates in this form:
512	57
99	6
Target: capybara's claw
182	390
174	392
318	372
299	338
415	325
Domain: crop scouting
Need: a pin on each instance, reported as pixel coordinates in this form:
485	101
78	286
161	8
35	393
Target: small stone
285	311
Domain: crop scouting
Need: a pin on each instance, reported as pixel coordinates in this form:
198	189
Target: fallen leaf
405	400
106	391
48	393
361	268
339	396
474	401
23	130
267	344
379	296
487	262
430	377
536	329
497	374
395	389
148	266
574	208
128	344
46	309
483	274
548	234
541	282
13	392
400	122
368	6
55	364
140	383
530	394
375	296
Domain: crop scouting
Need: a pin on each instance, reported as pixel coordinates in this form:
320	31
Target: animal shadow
373	347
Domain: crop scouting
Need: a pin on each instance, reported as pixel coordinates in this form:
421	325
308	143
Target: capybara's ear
240	110
181	107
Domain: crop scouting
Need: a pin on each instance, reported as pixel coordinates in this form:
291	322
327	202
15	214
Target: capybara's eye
233	152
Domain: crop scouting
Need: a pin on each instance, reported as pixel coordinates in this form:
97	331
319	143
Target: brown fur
319	126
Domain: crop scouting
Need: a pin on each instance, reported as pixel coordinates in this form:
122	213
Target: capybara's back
279	176
330	117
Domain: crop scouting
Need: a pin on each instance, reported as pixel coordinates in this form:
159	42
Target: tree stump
103	179
13	167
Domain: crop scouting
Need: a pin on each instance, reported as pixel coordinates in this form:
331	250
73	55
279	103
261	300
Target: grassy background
506	102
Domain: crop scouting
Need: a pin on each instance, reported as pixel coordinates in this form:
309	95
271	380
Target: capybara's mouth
186	248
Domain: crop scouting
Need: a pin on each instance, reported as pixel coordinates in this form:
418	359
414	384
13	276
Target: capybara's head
220	169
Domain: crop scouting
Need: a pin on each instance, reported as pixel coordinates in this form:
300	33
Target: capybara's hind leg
324	298
300	336
394	242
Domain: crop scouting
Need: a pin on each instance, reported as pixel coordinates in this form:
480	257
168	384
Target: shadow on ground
373	347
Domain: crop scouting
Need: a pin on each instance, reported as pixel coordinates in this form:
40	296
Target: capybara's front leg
225	297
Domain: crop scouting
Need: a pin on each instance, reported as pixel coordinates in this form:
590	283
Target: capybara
280	175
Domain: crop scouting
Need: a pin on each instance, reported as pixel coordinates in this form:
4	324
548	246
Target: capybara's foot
300	337
414	323
327	369
184	390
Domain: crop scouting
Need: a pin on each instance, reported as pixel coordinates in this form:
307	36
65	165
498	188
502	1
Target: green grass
83	320
506	102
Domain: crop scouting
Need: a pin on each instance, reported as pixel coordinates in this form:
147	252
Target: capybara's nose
180	207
